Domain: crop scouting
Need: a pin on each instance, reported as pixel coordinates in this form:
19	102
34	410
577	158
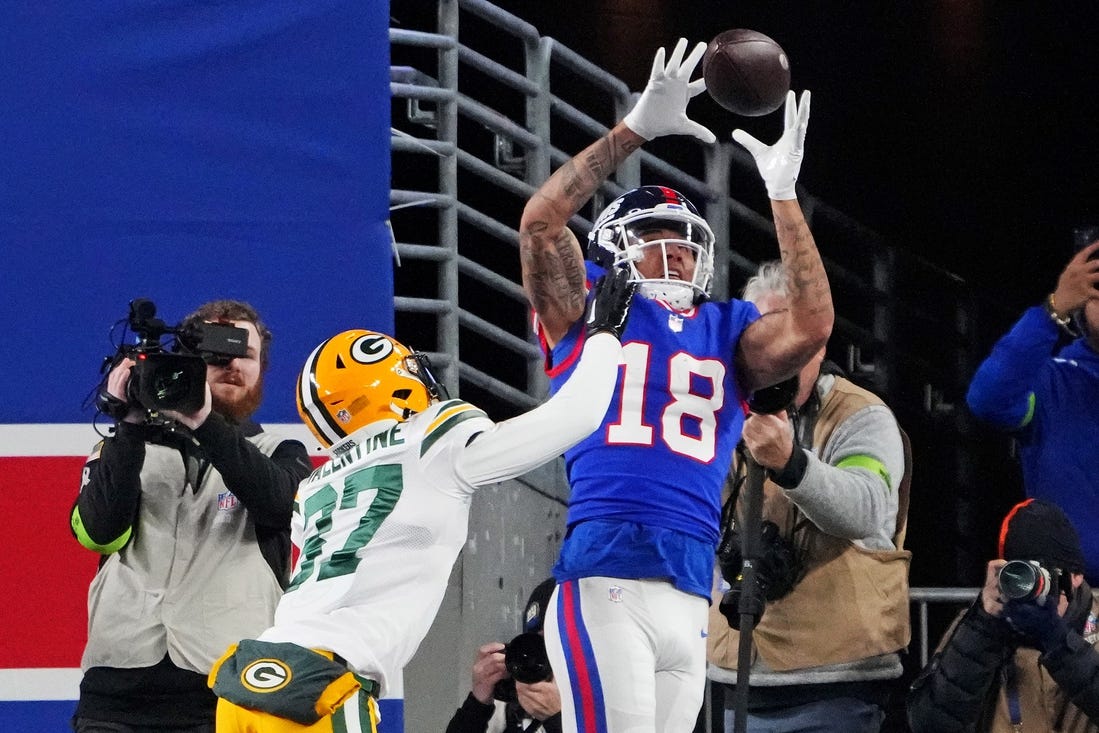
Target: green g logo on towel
266	675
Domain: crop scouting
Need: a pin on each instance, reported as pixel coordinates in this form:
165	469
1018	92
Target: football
746	72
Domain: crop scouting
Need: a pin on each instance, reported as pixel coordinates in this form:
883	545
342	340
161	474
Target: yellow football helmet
358	377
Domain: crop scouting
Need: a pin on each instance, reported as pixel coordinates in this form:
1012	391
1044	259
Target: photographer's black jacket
475	716
962	688
195	536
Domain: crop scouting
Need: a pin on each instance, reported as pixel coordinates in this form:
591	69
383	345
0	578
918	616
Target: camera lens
730	607
162	381
1020	581
169	384
526	660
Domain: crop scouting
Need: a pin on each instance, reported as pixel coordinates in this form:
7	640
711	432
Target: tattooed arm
776	346
553	263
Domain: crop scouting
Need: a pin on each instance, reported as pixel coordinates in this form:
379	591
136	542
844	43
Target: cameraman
192	518
1019	665
834	507
535	707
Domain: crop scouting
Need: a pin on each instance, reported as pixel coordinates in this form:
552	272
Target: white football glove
662	108
779	163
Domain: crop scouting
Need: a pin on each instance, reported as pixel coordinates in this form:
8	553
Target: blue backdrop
183	151
186	151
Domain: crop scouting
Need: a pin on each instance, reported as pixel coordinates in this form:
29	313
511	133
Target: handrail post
538	161
447	131
717	159
883	280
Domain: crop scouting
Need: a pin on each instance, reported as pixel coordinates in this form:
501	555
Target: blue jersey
646	485
1048	399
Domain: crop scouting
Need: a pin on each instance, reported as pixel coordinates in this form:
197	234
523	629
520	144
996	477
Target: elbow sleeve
84	538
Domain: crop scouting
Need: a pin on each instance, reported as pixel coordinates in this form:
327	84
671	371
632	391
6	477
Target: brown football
746	72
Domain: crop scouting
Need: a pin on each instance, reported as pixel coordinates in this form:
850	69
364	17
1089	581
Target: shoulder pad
444	417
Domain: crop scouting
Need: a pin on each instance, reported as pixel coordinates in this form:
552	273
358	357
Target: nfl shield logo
615	594
675	322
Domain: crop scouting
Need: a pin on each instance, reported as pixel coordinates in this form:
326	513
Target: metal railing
485	108
921	598
500	118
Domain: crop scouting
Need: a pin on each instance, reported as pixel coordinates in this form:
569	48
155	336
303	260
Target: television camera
172	378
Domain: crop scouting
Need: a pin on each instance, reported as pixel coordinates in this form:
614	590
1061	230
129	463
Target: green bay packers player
381	524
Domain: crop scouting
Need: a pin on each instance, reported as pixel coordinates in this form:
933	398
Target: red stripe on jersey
552	370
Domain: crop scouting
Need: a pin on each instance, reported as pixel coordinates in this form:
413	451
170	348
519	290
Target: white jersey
381	524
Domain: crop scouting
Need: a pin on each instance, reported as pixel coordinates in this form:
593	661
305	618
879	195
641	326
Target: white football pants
629	656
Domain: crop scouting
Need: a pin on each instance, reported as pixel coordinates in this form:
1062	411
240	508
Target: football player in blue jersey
626	631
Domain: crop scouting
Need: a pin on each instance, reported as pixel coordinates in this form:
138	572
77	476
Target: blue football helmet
618	238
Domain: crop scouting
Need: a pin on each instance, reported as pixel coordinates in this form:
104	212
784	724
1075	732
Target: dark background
964	132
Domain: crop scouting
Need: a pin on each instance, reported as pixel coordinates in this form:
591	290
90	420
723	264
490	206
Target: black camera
1025	581
776	398
778	569
163	378
526	661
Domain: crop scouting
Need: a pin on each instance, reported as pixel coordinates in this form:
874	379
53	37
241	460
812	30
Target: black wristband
472	717
473	705
552	724
794	470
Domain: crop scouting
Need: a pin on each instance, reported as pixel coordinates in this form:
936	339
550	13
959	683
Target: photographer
1022	664
1041	383
493	706
832	569
191	513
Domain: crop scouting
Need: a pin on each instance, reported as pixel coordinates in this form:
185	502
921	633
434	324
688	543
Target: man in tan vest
825	650
1023	657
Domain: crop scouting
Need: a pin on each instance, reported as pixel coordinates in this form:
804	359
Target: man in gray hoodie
833	571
